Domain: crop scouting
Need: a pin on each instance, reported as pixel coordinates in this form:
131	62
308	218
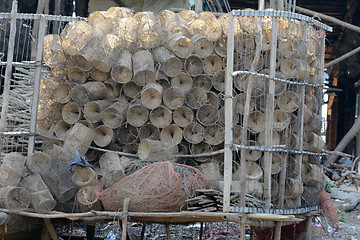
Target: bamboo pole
37	82
269	116
327	18
228	114
50	228
343	57
8	71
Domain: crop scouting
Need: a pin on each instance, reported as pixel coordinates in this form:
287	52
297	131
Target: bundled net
162	187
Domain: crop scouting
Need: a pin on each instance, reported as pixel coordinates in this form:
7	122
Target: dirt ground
349	227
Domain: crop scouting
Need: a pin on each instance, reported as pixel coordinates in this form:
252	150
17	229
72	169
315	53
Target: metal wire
236	73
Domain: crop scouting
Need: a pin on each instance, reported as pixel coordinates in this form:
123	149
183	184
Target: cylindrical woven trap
275	138
131	89
207	114
93	110
214	134
183	81
213	99
126	30
257	122
212	64
76	37
149	29
45	127
38	162
293	188
160	117
14	198
152	150
116	13
87	199
112	90
79	139
194	133
92	155
149	131
90	91
174	97
253	155
77	75
195	98
172	23
83	176
62	129
40	195
181	45
98	75
237	134
71	113
143	68
311	195
202	81
53	55
169	63
221	117
131	148
221	46
281	120
127	134
151	95
62	93
55	111
115	114
106	53
218	80
183	116
292	167
137	115
200	148
213	26
257	83
239	103
202	46
312	174
317	143
121	72
111	168
276	163
295	68
253	171
193	65
172	134
103	136
288	101
101	26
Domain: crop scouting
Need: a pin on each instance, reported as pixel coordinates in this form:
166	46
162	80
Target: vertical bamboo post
8	71
37	80
269	116
124	218
50	228
228	114
167	232
261	5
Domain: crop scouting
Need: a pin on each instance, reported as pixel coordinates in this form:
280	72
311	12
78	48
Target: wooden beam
342	58
344	141
125	218
328	18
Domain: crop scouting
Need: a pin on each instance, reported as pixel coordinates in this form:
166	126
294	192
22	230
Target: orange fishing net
159	187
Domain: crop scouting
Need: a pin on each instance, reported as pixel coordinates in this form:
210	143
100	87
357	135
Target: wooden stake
124	218
167	232
308	227
51	229
201	230
143	231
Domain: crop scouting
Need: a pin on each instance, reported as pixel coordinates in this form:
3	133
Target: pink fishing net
159	187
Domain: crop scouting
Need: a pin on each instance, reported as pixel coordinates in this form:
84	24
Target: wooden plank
228	113
51	229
